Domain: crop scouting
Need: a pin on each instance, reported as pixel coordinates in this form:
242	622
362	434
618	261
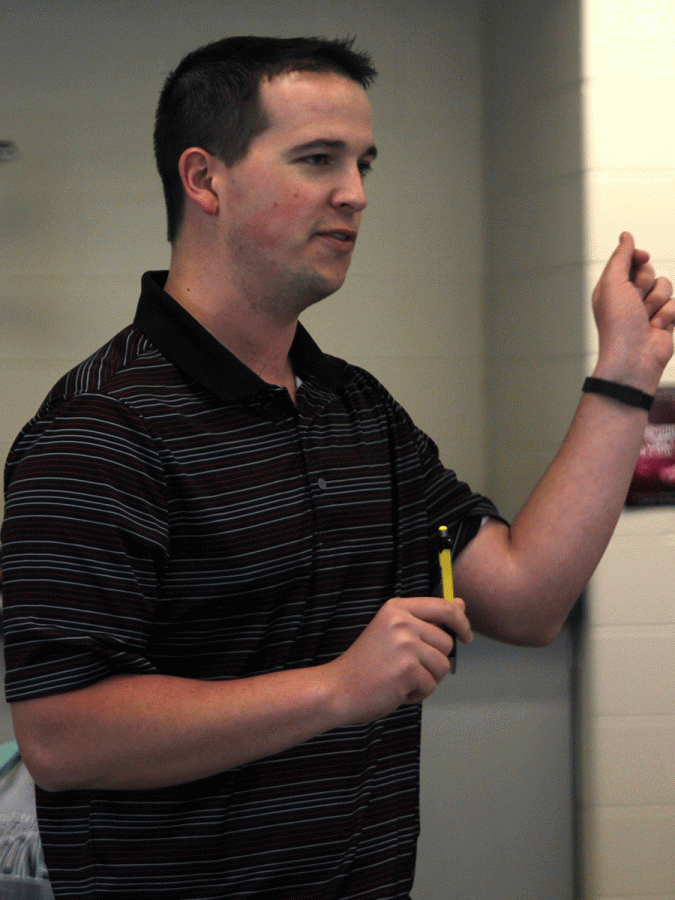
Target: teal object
7	751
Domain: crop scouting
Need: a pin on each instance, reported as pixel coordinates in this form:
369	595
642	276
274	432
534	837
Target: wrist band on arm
622	392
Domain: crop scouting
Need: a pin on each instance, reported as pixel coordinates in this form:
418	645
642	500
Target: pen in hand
445	560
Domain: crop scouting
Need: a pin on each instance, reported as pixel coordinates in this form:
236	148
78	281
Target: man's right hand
401	657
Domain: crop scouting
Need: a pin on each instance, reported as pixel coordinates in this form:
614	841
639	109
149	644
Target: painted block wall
629	651
535	297
580	146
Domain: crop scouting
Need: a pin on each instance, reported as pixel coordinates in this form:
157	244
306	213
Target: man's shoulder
123	367
361	383
356	378
123	378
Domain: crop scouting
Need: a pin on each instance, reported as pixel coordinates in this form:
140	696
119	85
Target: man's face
294	202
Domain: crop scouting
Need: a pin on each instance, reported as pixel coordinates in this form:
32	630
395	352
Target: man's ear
196	168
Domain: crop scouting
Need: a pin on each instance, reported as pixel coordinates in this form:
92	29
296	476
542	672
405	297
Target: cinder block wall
629	652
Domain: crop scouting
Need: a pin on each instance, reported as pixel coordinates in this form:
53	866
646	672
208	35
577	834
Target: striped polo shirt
167	511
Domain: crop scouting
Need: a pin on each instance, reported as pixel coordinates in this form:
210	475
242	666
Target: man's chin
295	294
316	289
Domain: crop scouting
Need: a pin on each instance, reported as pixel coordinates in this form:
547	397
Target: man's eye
365	168
316	159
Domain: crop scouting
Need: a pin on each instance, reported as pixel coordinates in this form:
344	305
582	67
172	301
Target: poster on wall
653	481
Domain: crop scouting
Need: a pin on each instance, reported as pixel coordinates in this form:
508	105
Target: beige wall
629	728
535	298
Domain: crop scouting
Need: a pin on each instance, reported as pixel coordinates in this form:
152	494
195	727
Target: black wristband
622	392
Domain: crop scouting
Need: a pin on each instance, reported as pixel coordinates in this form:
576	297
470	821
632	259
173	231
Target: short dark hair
212	99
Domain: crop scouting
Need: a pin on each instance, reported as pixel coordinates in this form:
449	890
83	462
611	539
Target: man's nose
350	190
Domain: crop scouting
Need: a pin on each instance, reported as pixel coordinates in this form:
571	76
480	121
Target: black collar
190	347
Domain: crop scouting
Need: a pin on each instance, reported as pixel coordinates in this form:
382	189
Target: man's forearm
150	731
520	583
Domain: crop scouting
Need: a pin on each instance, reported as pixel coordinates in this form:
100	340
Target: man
219	543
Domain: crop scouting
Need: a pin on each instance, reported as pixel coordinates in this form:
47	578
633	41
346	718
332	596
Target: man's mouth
344	237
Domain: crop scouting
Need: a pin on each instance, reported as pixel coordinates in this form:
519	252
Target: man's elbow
537	620
45	772
527	630
542	635
50	766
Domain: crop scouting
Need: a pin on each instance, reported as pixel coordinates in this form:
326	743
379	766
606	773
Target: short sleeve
85	539
450	501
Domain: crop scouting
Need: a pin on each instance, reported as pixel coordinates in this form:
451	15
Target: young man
219	559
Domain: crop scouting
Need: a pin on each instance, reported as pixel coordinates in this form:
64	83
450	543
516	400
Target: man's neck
257	340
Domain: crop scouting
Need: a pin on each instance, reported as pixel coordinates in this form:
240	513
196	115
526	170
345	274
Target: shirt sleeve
447	500
85	540
450	501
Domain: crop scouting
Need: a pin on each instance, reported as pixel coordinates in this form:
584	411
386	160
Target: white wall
629	726
581	145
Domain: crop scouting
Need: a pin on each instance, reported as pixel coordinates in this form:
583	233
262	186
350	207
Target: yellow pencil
445	561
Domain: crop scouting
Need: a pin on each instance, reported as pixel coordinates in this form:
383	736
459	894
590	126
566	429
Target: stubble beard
292	295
